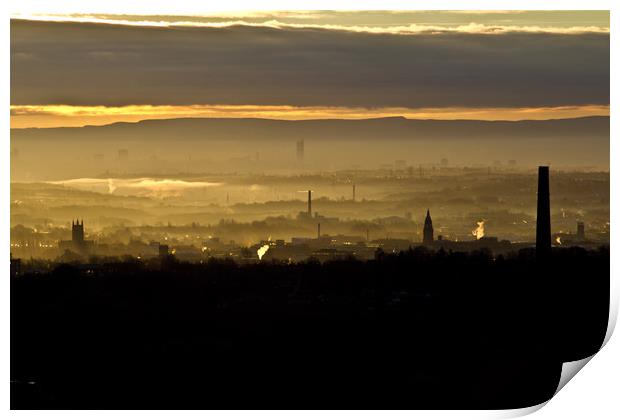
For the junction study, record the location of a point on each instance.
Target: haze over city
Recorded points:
(241, 154)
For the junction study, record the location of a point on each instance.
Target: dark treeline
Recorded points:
(413, 330)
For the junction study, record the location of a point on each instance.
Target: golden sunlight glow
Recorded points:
(23, 116)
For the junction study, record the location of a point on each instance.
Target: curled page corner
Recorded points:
(570, 369)
(519, 412)
(614, 297)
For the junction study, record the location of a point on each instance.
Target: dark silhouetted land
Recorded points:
(417, 329)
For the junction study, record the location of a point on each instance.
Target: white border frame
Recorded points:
(592, 394)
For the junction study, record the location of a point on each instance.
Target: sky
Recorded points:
(78, 66)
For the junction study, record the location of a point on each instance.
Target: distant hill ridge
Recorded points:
(389, 128)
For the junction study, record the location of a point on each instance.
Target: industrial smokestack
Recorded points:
(353, 192)
(309, 203)
(318, 231)
(543, 214)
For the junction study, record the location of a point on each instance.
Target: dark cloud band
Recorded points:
(99, 64)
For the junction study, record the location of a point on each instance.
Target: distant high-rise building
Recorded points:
(123, 154)
(427, 237)
(581, 231)
(300, 150)
(543, 214)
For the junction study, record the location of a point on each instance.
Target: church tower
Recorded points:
(77, 231)
(428, 229)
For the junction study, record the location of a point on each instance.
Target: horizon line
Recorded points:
(394, 117)
(62, 115)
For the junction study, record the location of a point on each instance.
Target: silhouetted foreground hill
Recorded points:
(416, 330)
(253, 129)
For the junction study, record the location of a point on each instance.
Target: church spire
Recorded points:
(427, 237)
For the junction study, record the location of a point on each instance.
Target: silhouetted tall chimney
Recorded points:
(318, 233)
(353, 192)
(309, 203)
(543, 214)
